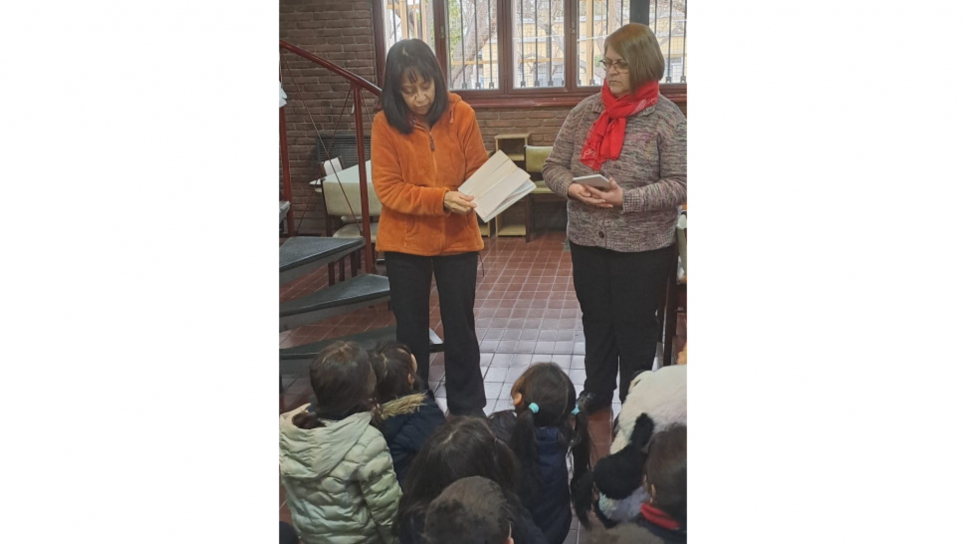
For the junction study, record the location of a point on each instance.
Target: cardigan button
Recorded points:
(600, 234)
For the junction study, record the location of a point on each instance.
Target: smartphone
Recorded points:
(596, 181)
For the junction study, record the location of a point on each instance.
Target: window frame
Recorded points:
(506, 96)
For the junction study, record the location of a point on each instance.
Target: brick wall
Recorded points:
(338, 31)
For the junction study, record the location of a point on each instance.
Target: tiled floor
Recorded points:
(526, 312)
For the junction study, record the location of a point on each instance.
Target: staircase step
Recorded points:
(296, 360)
(343, 297)
(303, 254)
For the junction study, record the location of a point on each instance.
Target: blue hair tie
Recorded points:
(576, 410)
(534, 408)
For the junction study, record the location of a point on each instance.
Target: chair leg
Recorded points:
(528, 224)
(331, 274)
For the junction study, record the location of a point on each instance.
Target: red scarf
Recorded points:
(658, 517)
(606, 136)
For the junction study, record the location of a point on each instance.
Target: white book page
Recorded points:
(501, 190)
(481, 180)
(523, 191)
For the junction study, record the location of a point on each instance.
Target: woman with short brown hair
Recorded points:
(621, 237)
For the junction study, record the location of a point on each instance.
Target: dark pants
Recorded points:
(410, 277)
(286, 534)
(618, 294)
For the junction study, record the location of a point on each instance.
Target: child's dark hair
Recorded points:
(666, 468)
(463, 446)
(392, 363)
(342, 381)
(548, 387)
(406, 60)
(470, 510)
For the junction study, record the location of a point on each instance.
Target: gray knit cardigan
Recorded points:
(652, 170)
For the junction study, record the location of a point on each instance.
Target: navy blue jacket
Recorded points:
(406, 423)
(550, 505)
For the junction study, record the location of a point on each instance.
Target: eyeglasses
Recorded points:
(607, 64)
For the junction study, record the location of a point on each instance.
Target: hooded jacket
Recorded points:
(550, 507)
(406, 423)
(338, 479)
(411, 173)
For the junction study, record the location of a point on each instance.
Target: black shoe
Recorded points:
(592, 402)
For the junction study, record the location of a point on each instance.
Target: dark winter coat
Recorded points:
(550, 504)
(406, 423)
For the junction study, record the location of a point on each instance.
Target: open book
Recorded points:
(497, 185)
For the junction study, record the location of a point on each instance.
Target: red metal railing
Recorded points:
(356, 85)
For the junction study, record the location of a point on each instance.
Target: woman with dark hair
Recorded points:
(425, 144)
(335, 467)
(621, 238)
(460, 448)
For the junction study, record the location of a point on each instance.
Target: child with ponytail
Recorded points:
(406, 413)
(541, 429)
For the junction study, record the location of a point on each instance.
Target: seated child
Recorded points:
(470, 511)
(405, 413)
(539, 431)
(662, 471)
(663, 396)
(463, 446)
(335, 467)
(665, 514)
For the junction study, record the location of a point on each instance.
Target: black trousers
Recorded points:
(410, 277)
(618, 294)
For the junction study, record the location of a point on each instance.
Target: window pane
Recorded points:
(406, 19)
(472, 44)
(538, 43)
(669, 22)
(605, 16)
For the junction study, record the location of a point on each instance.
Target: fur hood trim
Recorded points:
(398, 407)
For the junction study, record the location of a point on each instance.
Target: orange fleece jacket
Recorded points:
(411, 173)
